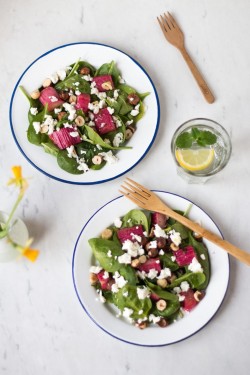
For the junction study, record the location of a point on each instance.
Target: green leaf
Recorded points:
(101, 248)
(201, 249)
(50, 148)
(195, 133)
(164, 294)
(97, 139)
(184, 140)
(70, 81)
(196, 280)
(167, 262)
(128, 273)
(208, 137)
(178, 227)
(67, 164)
(135, 217)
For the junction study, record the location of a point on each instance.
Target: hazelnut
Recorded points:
(97, 159)
(84, 70)
(161, 243)
(35, 94)
(174, 247)
(133, 99)
(64, 95)
(141, 325)
(107, 234)
(163, 323)
(128, 134)
(198, 295)
(61, 114)
(44, 129)
(151, 234)
(162, 283)
(72, 99)
(161, 304)
(47, 82)
(93, 278)
(107, 85)
(171, 279)
(79, 121)
(142, 259)
(152, 253)
(135, 263)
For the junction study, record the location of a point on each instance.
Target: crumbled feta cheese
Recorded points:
(119, 280)
(125, 294)
(165, 272)
(184, 286)
(61, 74)
(118, 123)
(173, 258)
(109, 254)
(152, 274)
(127, 312)
(101, 297)
(71, 152)
(134, 112)
(116, 93)
(114, 288)
(175, 237)
(111, 110)
(54, 78)
(82, 165)
(71, 109)
(33, 111)
(124, 258)
(152, 245)
(159, 232)
(118, 139)
(95, 269)
(74, 134)
(76, 84)
(109, 157)
(77, 92)
(136, 237)
(177, 290)
(143, 292)
(37, 126)
(105, 275)
(129, 122)
(181, 298)
(203, 256)
(94, 107)
(87, 77)
(140, 312)
(195, 266)
(132, 248)
(154, 319)
(121, 80)
(117, 222)
(102, 95)
(57, 110)
(161, 252)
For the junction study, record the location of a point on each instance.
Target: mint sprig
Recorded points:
(201, 137)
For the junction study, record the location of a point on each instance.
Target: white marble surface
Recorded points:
(43, 329)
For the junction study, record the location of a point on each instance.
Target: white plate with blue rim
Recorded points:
(105, 317)
(96, 54)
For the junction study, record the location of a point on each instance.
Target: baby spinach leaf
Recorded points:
(129, 274)
(71, 81)
(97, 139)
(161, 292)
(168, 263)
(172, 307)
(85, 64)
(135, 217)
(67, 164)
(200, 249)
(36, 138)
(132, 301)
(101, 248)
(130, 90)
(50, 147)
(178, 227)
(196, 280)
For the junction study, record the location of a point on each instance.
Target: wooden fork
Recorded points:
(174, 35)
(147, 200)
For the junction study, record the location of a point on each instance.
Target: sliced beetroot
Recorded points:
(130, 233)
(82, 102)
(185, 256)
(160, 219)
(65, 137)
(104, 122)
(105, 282)
(104, 82)
(151, 263)
(189, 302)
(51, 97)
(154, 297)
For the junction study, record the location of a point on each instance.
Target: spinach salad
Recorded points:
(150, 267)
(83, 116)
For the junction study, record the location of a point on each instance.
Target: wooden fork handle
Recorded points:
(241, 255)
(198, 77)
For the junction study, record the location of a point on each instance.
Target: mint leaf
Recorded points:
(208, 137)
(195, 133)
(184, 140)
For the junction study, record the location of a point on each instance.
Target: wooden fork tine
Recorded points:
(161, 25)
(132, 198)
(134, 189)
(135, 184)
(174, 23)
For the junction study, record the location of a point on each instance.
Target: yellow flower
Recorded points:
(18, 179)
(27, 252)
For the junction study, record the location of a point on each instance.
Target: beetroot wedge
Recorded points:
(159, 219)
(51, 97)
(189, 302)
(104, 122)
(185, 256)
(105, 282)
(104, 83)
(130, 233)
(65, 137)
(82, 102)
(151, 263)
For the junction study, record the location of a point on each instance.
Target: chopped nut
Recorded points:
(93, 278)
(142, 259)
(84, 71)
(47, 82)
(162, 283)
(64, 95)
(174, 247)
(141, 325)
(135, 263)
(163, 323)
(128, 134)
(161, 304)
(35, 94)
(153, 252)
(107, 85)
(72, 99)
(171, 278)
(44, 129)
(198, 295)
(60, 115)
(161, 243)
(97, 159)
(133, 99)
(79, 121)
(107, 234)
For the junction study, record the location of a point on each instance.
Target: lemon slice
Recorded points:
(195, 160)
